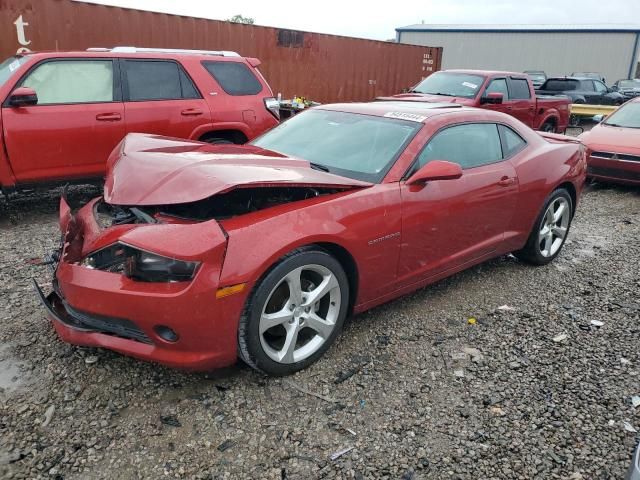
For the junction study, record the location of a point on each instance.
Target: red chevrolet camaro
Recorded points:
(614, 146)
(197, 254)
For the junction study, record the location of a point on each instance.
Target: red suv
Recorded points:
(63, 113)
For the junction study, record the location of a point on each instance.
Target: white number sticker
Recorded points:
(406, 116)
(470, 85)
(13, 66)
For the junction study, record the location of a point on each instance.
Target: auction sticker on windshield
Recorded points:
(406, 116)
(13, 66)
(470, 85)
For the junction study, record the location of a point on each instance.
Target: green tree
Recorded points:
(241, 19)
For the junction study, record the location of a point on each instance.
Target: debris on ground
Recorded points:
(629, 428)
(635, 401)
(506, 308)
(597, 323)
(226, 445)
(340, 453)
(48, 415)
(91, 359)
(560, 338)
(170, 420)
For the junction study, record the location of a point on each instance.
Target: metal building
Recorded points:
(610, 49)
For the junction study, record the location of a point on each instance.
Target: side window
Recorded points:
(235, 78)
(512, 143)
(469, 145)
(520, 89)
(157, 80)
(587, 85)
(72, 81)
(498, 85)
(600, 87)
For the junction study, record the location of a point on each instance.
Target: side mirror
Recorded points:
(494, 98)
(23, 97)
(436, 170)
(600, 118)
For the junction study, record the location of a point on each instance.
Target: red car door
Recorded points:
(498, 85)
(161, 98)
(70, 132)
(447, 223)
(523, 103)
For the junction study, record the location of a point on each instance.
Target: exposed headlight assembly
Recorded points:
(139, 264)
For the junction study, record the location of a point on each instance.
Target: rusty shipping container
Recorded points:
(325, 68)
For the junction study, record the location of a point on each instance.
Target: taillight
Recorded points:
(273, 105)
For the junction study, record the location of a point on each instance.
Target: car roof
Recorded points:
(571, 78)
(151, 53)
(484, 73)
(416, 111)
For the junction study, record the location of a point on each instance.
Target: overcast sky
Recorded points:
(378, 20)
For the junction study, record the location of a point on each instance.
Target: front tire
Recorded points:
(550, 229)
(294, 313)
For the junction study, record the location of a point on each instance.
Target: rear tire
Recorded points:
(294, 313)
(550, 229)
(548, 127)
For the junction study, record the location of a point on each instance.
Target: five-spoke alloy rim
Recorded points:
(300, 314)
(554, 226)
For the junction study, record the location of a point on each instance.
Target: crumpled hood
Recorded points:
(154, 170)
(423, 97)
(613, 139)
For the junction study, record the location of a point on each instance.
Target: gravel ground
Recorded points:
(413, 388)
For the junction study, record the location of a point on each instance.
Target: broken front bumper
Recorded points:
(90, 307)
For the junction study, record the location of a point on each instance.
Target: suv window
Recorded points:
(469, 145)
(235, 78)
(498, 85)
(72, 81)
(600, 87)
(587, 86)
(520, 89)
(512, 142)
(157, 80)
(561, 85)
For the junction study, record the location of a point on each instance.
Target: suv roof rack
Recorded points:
(219, 53)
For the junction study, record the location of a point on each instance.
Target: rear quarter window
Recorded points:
(235, 78)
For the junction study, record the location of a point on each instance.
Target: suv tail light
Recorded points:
(273, 105)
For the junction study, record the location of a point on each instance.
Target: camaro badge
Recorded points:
(382, 239)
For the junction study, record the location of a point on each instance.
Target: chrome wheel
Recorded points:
(300, 314)
(554, 226)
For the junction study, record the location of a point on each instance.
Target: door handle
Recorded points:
(108, 117)
(509, 107)
(191, 111)
(506, 181)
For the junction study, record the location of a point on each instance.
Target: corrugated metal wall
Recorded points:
(326, 68)
(556, 53)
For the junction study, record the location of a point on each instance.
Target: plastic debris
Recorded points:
(560, 338)
(340, 453)
(624, 361)
(170, 420)
(597, 323)
(629, 428)
(635, 401)
(459, 356)
(459, 373)
(472, 321)
(506, 308)
(611, 423)
(91, 359)
(48, 415)
(226, 445)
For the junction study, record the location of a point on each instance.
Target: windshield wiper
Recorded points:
(318, 166)
(438, 93)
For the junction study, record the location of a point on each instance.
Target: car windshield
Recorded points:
(626, 116)
(9, 66)
(629, 84)
(361, 147)
(450, 84)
